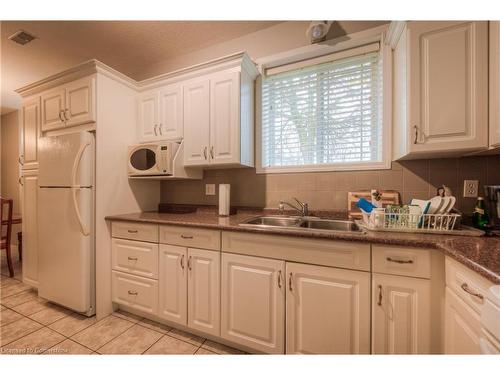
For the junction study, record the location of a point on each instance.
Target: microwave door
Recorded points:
(143, 160)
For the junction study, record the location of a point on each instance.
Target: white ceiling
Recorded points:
(128, 46)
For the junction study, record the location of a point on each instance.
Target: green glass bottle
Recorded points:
(480, 218)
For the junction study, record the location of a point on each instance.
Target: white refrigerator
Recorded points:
(66, 238)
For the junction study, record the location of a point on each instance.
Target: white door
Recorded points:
(80, 101)
(327, 310)
(147, 116)
(31, 133)
(196, 123)
(225, 118)
(52, 103)
(171, 122)
(204, 290)
(449, 86)
(495, 83)
(253, 302)
(173, 283)
(400, 315)
(462, 332)
(30, 227)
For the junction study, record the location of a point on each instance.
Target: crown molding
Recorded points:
(394, 32)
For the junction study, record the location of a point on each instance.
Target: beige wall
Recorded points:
(328, 190)
(9, 163)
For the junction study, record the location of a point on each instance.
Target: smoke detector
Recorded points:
(22, 37)
(317, 30)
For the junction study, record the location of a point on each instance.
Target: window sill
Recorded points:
(326, 168)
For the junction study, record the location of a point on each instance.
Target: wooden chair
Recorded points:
(7, 222)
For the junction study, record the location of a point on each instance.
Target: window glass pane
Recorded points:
(323, 114)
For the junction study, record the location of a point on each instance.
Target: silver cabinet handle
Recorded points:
(212, 151)
(159, 128)
(132, 292)
(379, 302)
(60, 115)
(64, 112)
(389, 259)
(21, 159)
(205, 152)
(467, 289)
(279, 279)
(132, 231)
(132, 258)
(189, 263)
(415, 140)
(186, 237)
(290, 282)
(155, 130)
(182, 261)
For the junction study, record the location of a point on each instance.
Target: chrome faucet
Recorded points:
(303, 208)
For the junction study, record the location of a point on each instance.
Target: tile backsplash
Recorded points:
(328, 190)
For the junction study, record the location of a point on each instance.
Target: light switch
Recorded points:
(209, 189)
(471, 188)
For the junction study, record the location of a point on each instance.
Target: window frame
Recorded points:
(354, 40)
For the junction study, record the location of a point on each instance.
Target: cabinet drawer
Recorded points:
(135, 231)
(190, 237)
(404, 261)
(138, 258)
(468, 285)
(136, 292)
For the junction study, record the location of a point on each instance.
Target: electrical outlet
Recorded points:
(471, 188)
(209, 189)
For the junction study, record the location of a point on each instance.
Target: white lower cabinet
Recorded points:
(253, 302)
(30, 227)
(327, 310)
(400, 315)
(173, 283)
(136, 292)
(462, 326)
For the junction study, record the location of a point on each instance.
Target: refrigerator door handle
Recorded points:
(76, 164)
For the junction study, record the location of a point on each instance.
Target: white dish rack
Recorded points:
(412, 223)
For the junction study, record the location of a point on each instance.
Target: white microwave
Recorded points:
(152, 159)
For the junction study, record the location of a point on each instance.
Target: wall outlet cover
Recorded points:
(209, 189)
(471, 188)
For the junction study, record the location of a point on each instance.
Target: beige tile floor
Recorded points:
(31, 325)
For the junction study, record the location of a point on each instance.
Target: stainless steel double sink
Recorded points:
(301, 223)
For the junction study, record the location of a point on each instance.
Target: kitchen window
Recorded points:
(325, 113)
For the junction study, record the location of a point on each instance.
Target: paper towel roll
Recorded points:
(224, 199)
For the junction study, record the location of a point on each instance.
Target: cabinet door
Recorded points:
(253, 302)
(173, 283)
(147, 116)
(401, 315)
(30, 227)
(327, 310)
(448, 86)
(204, 290)
(30, 133)
(462, 331)
(52, 103)
(196, 122)
(225, 118)
(171, 123)
(494, 83)
(80, 102)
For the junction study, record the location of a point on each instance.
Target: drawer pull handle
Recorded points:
(132, 258)
(290, 281)
(389, 259)
(379, 301)
(132, 293)
(132, 231)
(186, 237)
(182, 261)
(279, 279)
(466, 288)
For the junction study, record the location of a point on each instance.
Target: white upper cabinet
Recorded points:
(30, 121)
(68, 105)
(401, 315)
(147, 116)
(196, 122)
(495, 84)
(327, 310)
(440, 91)
(171, 121)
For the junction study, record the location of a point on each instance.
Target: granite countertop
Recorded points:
(480, 254)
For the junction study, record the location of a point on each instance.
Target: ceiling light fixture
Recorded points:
(317, 30)
(22, 37)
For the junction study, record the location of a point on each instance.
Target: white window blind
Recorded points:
(325, 114)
